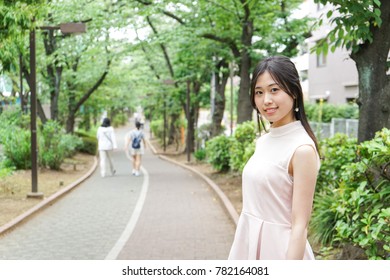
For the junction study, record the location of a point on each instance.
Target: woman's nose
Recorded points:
(267, 98)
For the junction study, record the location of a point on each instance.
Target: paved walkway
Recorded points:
(167, 213)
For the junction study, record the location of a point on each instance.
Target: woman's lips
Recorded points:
(270, 111)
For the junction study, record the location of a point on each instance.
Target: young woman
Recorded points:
(106, 144)
(278, 181)
(135, 144)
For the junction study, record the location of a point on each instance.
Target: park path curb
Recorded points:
(224, 199)
(47, 201)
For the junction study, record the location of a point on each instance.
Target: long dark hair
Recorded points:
(283, 71)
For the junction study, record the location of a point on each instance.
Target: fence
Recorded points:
(326, 130)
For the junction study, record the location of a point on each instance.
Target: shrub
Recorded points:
(366, 198)
(203, 132)
(242, 145)
(357, 212)
(5, 170)
(236, 151)
(200, 155)
(12, 118)
(336, 152)
(89, 143)
(245, 132)
(249, 151)
(119, 119)
(72, 144)
(217, 152)
(325, 112)
(55, 145)
(17, 147)
(157, 127)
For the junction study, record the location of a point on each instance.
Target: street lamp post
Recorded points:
(66, 28)
(189, 136)
(33, 99)
(231, 97)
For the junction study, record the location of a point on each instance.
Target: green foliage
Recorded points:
(245, 132)
(232, 152)
(157, 127)
(325, 112)
(217, 151)
(119, 119)
(55, 145)
(5, 170)
(17, 147)
(242, 145)
(352, 26)
(17, 18)
(11, 118)
(337, 152)
(200, 155)
(203, 132)
(357, 211)
(89, 143)
(16, 139)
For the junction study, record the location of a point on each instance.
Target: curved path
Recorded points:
(166, 213)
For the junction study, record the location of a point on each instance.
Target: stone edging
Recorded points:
(45, 202)
(224, 199)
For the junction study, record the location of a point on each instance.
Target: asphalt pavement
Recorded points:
(166, 213)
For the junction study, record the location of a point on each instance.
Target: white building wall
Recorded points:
(336, 78)
(333, 77)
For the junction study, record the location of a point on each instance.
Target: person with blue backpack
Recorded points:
(135, 145)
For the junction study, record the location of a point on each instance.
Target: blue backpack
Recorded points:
(136, 144)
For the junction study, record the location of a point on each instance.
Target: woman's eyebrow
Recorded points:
(270, 85)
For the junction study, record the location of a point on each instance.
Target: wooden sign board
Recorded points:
(73, 27)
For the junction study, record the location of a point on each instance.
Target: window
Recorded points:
(319, 100)
(303, 74)
(321, 60)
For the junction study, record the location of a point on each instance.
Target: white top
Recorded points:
(264, 226)
(133, 134)
(106, 138)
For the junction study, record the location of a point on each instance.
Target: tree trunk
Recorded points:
(172, 133)
(54, 74)
(70, 121)
(55, 81)
(244, 107)
(219, 102)
(374, 84)
(40, 112)
(194, 113)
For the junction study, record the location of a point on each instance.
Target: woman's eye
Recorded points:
(258, 92)
(274, 89)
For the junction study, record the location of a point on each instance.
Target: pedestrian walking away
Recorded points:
(106, 144)
(134, 145)
(279, 179)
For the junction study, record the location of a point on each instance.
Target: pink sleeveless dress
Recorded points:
(264, 226)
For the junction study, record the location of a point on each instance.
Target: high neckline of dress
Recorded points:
(284, 129)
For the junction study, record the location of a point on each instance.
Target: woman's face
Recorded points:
(272, 102)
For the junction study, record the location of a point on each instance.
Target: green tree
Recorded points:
(247, 29)
(17, 19)
(363, 28)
